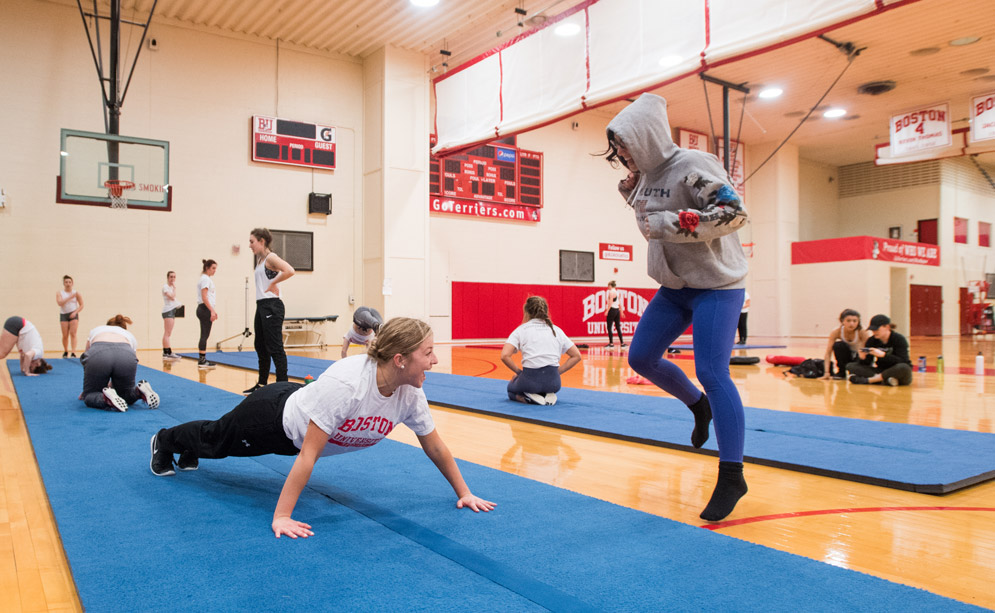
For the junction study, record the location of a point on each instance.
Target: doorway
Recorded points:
(925, 310)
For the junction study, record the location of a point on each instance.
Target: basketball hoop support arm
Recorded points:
(726, 86)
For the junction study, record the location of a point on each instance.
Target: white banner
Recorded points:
(921, 129)
(736, 169)
(983, 117)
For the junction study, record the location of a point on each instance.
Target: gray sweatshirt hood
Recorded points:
(644, 129)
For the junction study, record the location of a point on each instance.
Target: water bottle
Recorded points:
(308, 380)
(922, 363)
(979, 364)
(939, 364)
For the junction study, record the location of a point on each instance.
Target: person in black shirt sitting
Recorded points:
(884, 358)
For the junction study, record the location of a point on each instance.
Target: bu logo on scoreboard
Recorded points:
(265, 124)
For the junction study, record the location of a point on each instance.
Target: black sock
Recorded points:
(702, 417)
(729, 488)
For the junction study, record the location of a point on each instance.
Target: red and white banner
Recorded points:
(611, 251)
(864, 248)
(487, 210)
(493, 310)
(983, 117)
(737, 151)
(926, 128)
(689, 139)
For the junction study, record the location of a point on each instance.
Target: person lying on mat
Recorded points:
(110, 358)
(541, 344)
(844, 344)
(365, 323)
(353, 405)
(21, 333)
(884, 358)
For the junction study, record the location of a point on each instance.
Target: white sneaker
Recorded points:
(892, 381)
(550, 399)
(536, 398)
(114, 400)
(151, 398)
(172, 357)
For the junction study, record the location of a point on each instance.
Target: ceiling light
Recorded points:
(424, 3)
(925, 51)
(964, 40)
(770, 92)
(567, 29)
(669, 61)
(834, 113)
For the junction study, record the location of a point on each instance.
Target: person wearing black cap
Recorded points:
(884, 358)
(365, 323)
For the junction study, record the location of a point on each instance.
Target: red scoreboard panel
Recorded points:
(496, 172)
(283, 141)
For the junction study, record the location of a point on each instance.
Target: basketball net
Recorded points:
(115, 191)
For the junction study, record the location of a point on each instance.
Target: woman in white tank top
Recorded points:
(269, 272)
(844, 343)
(70, 304)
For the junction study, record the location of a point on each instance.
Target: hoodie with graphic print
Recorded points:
(684, 204)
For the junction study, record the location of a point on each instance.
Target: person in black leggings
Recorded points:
(206, 313)
(270, 270)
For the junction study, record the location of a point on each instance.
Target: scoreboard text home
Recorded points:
(297, 143)
(497, 172)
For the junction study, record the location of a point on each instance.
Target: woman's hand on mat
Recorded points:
(291, 527)
(477, 504)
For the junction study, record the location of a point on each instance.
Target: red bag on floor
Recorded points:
(784, 360)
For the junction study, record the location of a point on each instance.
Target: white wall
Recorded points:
(198, 91)
(818, 201)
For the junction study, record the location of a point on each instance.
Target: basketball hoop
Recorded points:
(115, 191)
(748, 249)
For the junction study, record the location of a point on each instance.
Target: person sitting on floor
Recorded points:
(21, 333)
(541, 344)
(844, 344)
(110, 357)
(884, 358)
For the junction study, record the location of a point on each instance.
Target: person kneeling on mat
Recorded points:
(884, 358)
(21, 333)
(110, 357)
(353, 405)
(541, 344)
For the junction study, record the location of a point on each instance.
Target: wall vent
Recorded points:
(866, 178)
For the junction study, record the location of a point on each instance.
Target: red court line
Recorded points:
(759, 518)
(492, 365)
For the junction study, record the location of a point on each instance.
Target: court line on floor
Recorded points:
(776, 516)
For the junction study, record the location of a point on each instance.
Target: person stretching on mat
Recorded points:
(884, 358)
(541, 344)
(270, 271)
(365, 323)
(21, 333)
(613, 315)
(110, 357)
(845, 343)
(206, 301)
(169, 306)
(70, 304)
(688, 212)
(353, 405)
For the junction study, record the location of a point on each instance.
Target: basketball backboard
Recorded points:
(89, 159)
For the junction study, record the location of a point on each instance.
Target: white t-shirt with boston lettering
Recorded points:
(345, 402)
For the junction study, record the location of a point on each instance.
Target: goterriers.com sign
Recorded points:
(488, 210)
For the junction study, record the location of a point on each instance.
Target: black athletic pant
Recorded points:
(268, 327)
(614, 316)
(900, 371)
(844, 355)
(253, 428)
(115, 363)
(742, 328)
(204, 315)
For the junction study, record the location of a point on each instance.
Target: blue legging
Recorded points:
(715, 315)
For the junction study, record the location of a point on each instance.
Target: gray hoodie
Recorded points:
(684, 205)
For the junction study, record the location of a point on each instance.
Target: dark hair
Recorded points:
(851, 313)
(262, 234)
(42, 368)
(120, 321)
(169, 273)
(611, 283)
(536, 307)
(611, 153)
(64, 277)
(208, 264)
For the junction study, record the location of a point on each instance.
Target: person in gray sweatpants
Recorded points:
(109, 367)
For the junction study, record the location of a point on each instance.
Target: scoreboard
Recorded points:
(497, 172)
(282, 141)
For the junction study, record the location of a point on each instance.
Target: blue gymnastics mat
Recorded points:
(387, 534)
(900, 456)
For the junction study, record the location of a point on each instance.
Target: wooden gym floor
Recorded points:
(944, 544)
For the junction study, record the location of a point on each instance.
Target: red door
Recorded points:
(926, 310)
(966, 300)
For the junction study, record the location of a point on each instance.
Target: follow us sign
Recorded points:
(613, 251)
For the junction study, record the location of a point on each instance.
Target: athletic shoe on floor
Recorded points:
(610, 346)
(257, 386)
(535, 398)
(550, 399)
(205, 364)
(858, 379)
(892, 381)
(161, 462)
(623, 346)
(116, 402)
(72, 355)
(148, 394)
(188, 461)
(65, 354)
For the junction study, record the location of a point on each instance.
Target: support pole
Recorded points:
(726, 86)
